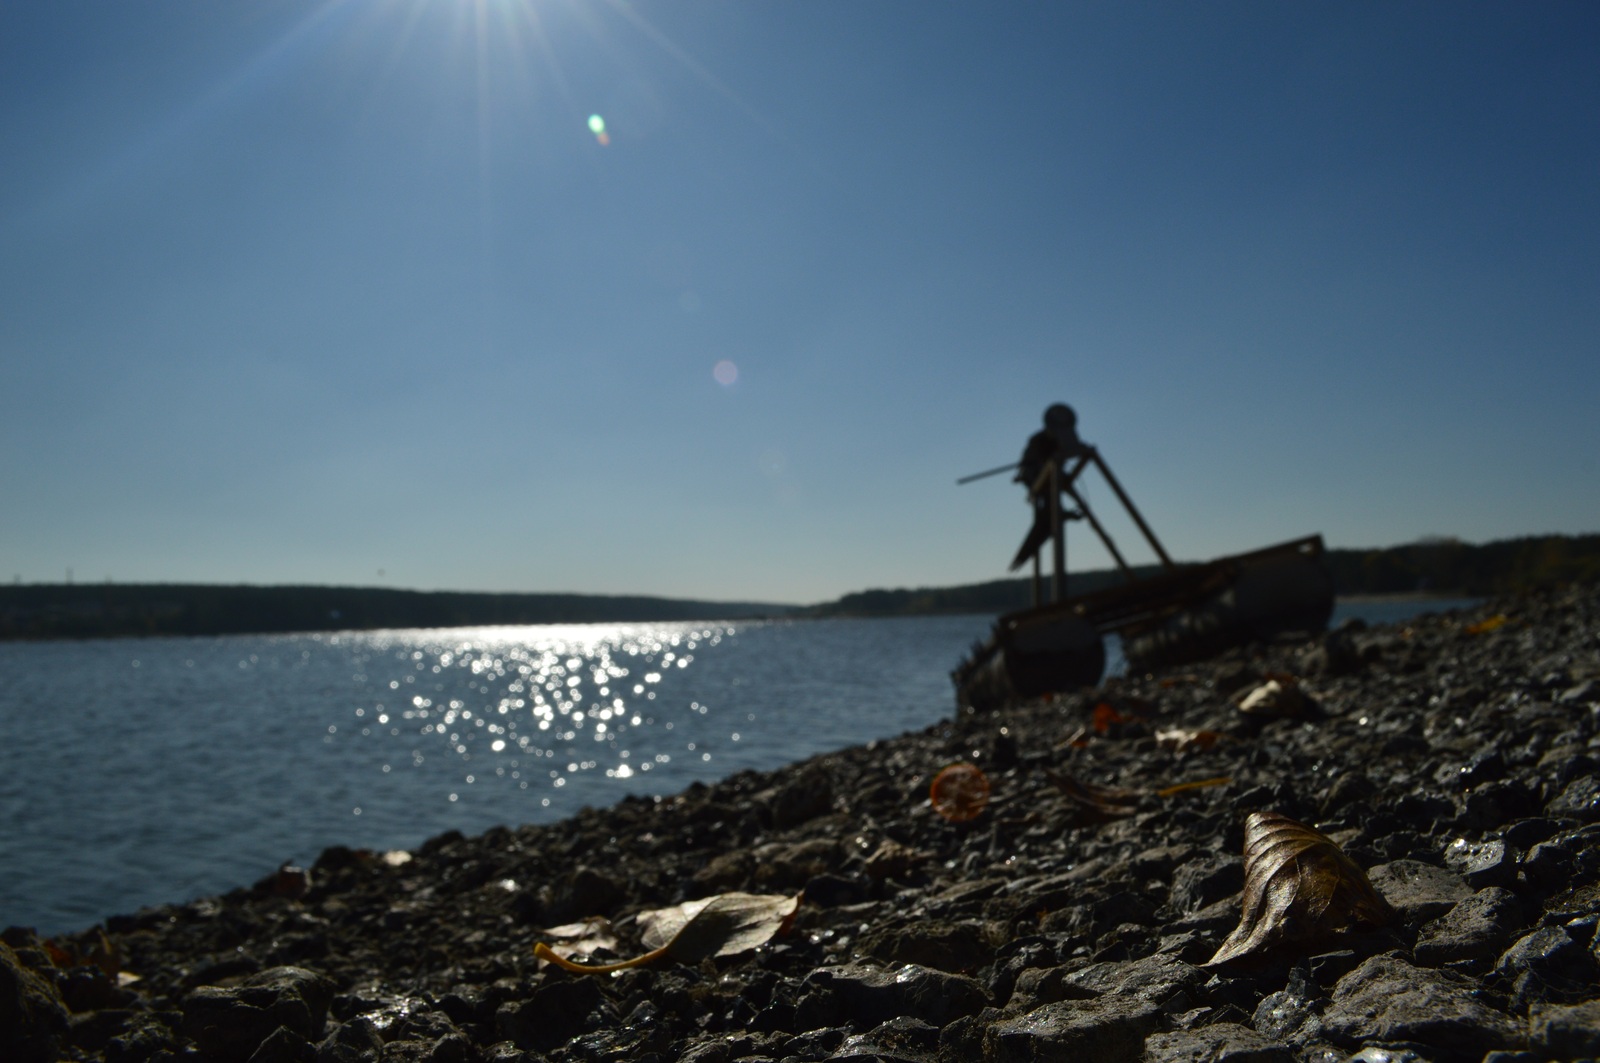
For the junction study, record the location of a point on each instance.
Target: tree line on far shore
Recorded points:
(1435, 566)
(1445, 567)
(95, 610)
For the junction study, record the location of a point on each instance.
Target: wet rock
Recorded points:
(1387, 1000)
(33, 1019)
(356, 1041)
(1219, 1043)
(557, 1011)
(1205, 881)
(1157, 979)
(230, 1023)
(1566, 1032)
(1418, 891)
(1580, 800)
(867, 996)
(808, 795)
(946, 946)
(1476, 929)
(1480, 864)
(1105, 1030)
(900, 1040)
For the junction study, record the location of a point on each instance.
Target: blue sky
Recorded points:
(351, 292)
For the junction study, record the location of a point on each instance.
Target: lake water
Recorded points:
(138, 772)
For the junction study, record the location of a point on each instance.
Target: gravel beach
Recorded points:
(1075, 917)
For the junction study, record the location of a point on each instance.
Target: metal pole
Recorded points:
(1058, 581)
(1105, 536)
(1155, 544)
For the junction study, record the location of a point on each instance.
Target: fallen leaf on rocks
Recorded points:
(1105, 715)
(724, 925)
(1275, 697)
(1483, 627)
(1197, 784)
(1298, 886)
(1095, 802)
(959, 792)
(582, 939)
(1183, 739)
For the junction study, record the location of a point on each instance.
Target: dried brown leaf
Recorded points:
(723, 925)
(1298, 887)
(1183, 739)
(1095, 802)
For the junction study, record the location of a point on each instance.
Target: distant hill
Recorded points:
(98, 610)
(1435, 566)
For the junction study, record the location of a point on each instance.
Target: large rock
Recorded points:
(1387, 1000)
(1477, 929)
(870, 995)
(1105, 1029)
(1224, 1042)
(32, 1017)
(232, 1022)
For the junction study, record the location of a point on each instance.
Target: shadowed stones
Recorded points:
(867, 996)
(1418, 891)
(230, 1023)
(32, 1017)
(1476, 930)
(1388, 1001)
(1224, 1042)
(1104, 1012)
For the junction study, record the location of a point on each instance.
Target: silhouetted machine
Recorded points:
(1182, 613)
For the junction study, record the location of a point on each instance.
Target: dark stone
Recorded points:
(1566, 1032)
(1389, 1001)
(900, 1040)
(284, 1046)
(1205, 881)
(946, 946)
(1218, 1043)
(1106, 1031)
(867, 996)
(556, 1012)
(33, 1018)
(1477, 929)
(832, 891)
(1494, 804)
(1418, 891)
(1580, 801)
(231, 1022)
(1480, 864)
(355, 1041)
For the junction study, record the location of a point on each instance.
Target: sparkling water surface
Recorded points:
(146, 771)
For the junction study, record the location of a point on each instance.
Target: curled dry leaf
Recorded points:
(1183, 739)
(1483, 627)
(1275, 697)
(959, 793)
(1092, 802)
(723, 925)
(582, 939)
(1298, 886)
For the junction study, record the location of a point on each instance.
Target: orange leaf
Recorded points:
(959, 792)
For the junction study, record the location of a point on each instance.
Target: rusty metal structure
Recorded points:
(1181, 613)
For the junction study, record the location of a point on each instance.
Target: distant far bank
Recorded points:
(1436, 568)
(107, 610)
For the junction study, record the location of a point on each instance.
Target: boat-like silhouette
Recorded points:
(1182, 613)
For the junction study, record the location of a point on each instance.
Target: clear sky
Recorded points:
(719, 299)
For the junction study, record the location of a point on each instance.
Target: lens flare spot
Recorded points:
(725, 373)
(597, 126)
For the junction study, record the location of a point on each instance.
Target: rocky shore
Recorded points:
(1074, 918)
